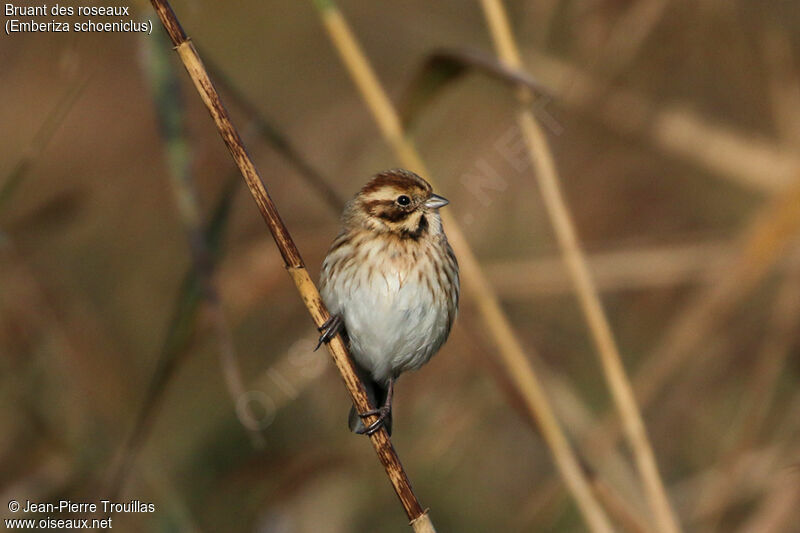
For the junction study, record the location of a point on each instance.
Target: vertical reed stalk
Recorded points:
(756, 401)
(476, 285)
(181, 326)
(759, 246)
(602, 335)
(170, 114)
(420, 520)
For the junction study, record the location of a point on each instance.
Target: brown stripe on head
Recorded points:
(392, 201)
(386, 210)
(400, 179)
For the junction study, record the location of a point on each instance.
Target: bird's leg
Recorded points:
(332, 327)
(382, 411)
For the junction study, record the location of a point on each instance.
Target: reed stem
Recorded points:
(547, 176)
(509, 347)
(292, 259)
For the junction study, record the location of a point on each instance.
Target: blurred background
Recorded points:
(675, 126)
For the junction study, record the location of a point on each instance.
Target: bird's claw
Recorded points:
(332, 327)
(382, 412)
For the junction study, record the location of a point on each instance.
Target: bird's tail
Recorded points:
(377, 397)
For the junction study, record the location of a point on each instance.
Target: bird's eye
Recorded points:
(403, 200)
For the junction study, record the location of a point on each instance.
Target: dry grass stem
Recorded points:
(761, 244)
(619, 509)
(629, 36)
(200, 285)
(753, 474)
(723, 150)
(135, 276)
(442, 67)
(291, 256)
(757, 400)
(778, 507)
(613, 467)
(475, 283)
(614, 269)
(778, 510)
(774, 477)
(598, 323)
(180, 331)
(541, 16)
(243, 288)
(170, 115)
(277, 139)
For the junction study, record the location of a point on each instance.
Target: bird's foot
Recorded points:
(332, 327)
(381, 412)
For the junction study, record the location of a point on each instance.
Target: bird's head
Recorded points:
(400, 202)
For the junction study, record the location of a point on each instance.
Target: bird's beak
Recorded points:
(436, 201)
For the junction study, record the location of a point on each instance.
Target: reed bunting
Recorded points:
(390, 282)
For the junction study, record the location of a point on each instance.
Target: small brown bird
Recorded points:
(390, 282)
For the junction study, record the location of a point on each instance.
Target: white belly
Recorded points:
(392, 320)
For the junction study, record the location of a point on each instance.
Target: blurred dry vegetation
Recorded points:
(675, 126)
